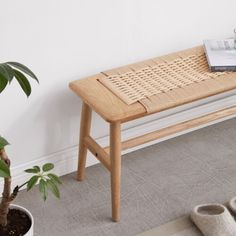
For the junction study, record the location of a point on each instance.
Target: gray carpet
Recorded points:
(159, 184)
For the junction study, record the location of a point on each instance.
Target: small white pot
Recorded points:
(31, 230)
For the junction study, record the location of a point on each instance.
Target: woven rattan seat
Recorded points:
(159, 77)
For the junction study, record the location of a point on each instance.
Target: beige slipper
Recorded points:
(232, 205)
(214, 220)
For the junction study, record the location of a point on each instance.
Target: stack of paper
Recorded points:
(221, 54)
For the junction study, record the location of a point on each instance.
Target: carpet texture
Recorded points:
(159, 184)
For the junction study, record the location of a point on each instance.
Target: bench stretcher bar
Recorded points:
(98, 151)
(102, 154)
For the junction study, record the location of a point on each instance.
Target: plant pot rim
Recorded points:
(21, 208)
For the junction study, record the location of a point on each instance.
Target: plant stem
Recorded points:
(16, 190)
(7, 197)
(19, 187)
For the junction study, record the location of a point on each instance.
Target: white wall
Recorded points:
(63, 40)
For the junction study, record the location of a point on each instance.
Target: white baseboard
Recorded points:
(66, 160)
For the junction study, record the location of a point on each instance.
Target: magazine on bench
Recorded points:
(221, 54)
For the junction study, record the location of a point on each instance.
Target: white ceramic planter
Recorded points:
(31, 230)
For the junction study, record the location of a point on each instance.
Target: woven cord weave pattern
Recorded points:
(160, 77)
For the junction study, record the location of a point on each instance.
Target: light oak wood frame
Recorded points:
(110, 157)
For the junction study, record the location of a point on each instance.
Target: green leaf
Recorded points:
(48, 166)
(54, 178)
(32, 182)
(9, 71)
(4, 169)
(32, 170)
(37, 168)
(23, 81)
(3, 71)
(53, 188)
(3, 82)
(43, 189)
(3, 142)
(24, 69)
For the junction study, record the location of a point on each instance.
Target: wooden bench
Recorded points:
(114, 110)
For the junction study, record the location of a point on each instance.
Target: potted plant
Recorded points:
(16, 220)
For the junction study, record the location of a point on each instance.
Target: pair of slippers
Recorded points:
(215, 219)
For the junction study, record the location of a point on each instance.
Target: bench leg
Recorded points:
(85, 125)
(115, 155)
